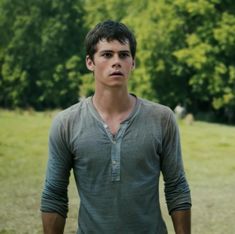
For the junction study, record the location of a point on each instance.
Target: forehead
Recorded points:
(113, 45)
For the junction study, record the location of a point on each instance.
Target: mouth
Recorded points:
(116, 73)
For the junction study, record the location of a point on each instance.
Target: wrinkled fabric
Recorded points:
(117, 176)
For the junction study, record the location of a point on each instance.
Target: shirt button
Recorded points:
(105, 126)
(114, 161)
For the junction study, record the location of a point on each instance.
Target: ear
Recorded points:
(89, 63)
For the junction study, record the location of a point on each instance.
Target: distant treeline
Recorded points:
(186, 52)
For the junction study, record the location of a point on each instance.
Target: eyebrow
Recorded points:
(111, 51)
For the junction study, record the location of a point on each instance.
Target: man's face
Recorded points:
(112, 63)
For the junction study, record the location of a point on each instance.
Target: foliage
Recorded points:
(87, 87)
(40, 52)
(208, 53)
(107, 9)
(185, 52)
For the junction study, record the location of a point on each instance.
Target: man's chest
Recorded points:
(131, 149)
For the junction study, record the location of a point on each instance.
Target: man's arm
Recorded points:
(182, 221)
(53, 223)
(177, 190)
(54, 199)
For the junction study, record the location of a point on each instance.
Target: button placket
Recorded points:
(115, 158)
(116, 149)
(116, 153)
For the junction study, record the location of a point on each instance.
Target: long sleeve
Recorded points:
(177, 190)
(54, 196)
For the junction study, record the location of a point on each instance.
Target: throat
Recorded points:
(113, 128)
(115, 116)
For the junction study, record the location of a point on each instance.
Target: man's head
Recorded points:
(109, 30)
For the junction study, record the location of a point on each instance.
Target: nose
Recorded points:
(116, 61)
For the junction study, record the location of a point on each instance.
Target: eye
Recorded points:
(107, 55)
(123, 55)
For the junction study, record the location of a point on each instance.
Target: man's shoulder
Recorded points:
(158, 113)
(71, 113)
(155, 107)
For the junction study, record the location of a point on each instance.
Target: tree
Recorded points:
(208, 53)
(40, 53)
(185, 51)
(186, 54)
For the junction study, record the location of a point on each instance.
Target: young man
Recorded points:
(117, 144)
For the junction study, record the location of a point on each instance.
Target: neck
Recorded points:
(113, 101)
(114, 106)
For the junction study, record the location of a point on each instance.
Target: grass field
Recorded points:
(209, 159)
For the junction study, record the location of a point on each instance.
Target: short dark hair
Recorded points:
(109, 30)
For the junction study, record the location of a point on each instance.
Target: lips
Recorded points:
(116, 73)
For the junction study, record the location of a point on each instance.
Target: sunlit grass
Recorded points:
(209, 159)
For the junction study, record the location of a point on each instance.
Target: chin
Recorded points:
(117, 84)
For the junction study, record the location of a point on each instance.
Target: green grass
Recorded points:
(209, 159)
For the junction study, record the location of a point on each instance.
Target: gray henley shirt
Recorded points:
(117, 176)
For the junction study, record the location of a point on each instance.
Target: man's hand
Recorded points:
(53, 223)
(182, 221)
